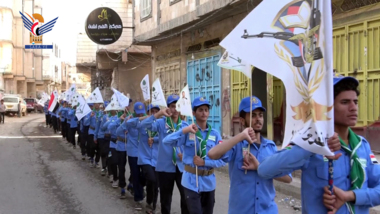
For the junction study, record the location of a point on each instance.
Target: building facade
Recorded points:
(185, 35)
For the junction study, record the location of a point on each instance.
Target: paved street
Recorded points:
(41, 174)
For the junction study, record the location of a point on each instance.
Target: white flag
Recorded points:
(145, 87)
(82, 108)
(70, 93)
(95, 97)
(114, 104)
(75, 99)
(296, 48)
(158, 97)
(121, 98)
(184, 103)
(230, 61)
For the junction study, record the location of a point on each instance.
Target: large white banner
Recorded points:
(292, 40)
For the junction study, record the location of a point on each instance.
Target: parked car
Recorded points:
(11, 104)
(32, 105)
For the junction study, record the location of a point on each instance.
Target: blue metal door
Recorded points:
(204, 79)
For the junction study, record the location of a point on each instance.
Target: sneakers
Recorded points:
(97, 165)
(138, 205)
(103, 173)
(115, 184)
(92, 163)
(130, 189)
(122, 194)
(111, 178)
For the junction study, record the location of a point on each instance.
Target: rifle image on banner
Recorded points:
(305, 41)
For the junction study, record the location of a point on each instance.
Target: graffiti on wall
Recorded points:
(226, 107)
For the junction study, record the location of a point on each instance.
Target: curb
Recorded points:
(294, 188)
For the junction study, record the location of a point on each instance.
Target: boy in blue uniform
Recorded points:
(147, 157)
(102, 141)
(109, 128)
(73, 125)
(85, 145)
(169, 165)
(202, 137)
(356, 173)
(93, 146)
(63, 115)
(133, 138)
(47, 118)
(249, 193)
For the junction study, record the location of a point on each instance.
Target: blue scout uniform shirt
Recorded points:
(132, 137)
(86, 119)
(250, 193)
(102, 127)
(81, 127)
(111, 125)
(59, 112)
(120, 133)
(165, 152)
(315, 176)
(146, 155)
(93, 121)
(73, 118)
(64, 114)
(205, 183)
(101, 122)
(46, 109)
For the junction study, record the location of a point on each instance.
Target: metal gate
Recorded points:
(204, 79)
(356, 53)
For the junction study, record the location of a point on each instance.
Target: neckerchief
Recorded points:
(357, 173)
(169, 123)
(203, 142)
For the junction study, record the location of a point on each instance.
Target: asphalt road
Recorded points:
(41, 173)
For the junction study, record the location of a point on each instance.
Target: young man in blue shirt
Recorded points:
(248, 192)
(356, 173)
(169, 159)
(147, 157)
(200, 137)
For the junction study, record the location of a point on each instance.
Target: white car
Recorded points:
(11, 105)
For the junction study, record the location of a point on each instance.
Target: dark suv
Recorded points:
(32, 105)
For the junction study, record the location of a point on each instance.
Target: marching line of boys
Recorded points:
(162, 150)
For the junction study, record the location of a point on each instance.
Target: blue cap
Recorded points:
(153, 106)
(139, 108)
(172, 98)
(245, 104)
(200, 101)
(338, 78)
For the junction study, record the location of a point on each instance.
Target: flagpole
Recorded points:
(250, 120)
(195, 148)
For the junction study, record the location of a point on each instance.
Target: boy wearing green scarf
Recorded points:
(356, 171)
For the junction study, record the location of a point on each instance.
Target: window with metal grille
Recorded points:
(170, 78)
(145, 8)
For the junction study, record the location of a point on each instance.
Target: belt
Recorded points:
(122, 139)
(91, 127)
(107, 135)
(113, 140)
(201, 172)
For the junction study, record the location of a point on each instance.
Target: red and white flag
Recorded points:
(53, 100)
(373, 159)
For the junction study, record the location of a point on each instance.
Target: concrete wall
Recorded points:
(130, 74)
